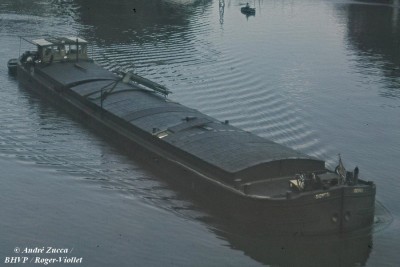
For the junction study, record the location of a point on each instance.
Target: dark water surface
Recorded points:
(319, 76)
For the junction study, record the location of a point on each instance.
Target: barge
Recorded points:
(251, 179)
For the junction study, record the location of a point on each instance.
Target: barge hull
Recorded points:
(250, 180)
(296, 216)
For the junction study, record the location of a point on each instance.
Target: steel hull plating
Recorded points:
(334, 210)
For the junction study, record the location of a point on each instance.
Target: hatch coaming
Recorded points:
(204, 141)
(233, 152)
(240, 154)
(220, 146)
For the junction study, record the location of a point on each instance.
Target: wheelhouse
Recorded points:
(60, 49)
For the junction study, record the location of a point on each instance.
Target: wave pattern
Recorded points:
(245, 70)
(52, 140)
(206, 72)
(61, 145)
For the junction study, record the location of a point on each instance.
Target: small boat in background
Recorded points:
(248, 10)
(12, 65)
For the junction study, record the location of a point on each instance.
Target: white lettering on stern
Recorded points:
(322, 195)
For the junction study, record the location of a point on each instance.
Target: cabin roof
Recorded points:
(58, 40)
(41, 42)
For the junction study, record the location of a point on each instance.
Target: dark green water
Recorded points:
(319, 76)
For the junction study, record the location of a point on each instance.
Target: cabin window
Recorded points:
(73, 49)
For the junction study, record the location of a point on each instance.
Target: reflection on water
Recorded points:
(283, 251)
(221, 11)
(287, 74)
(137, 21)
(107, 167)
(373, 30)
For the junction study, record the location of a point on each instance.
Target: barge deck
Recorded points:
(254, 179)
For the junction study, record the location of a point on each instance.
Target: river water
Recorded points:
(320, 76)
